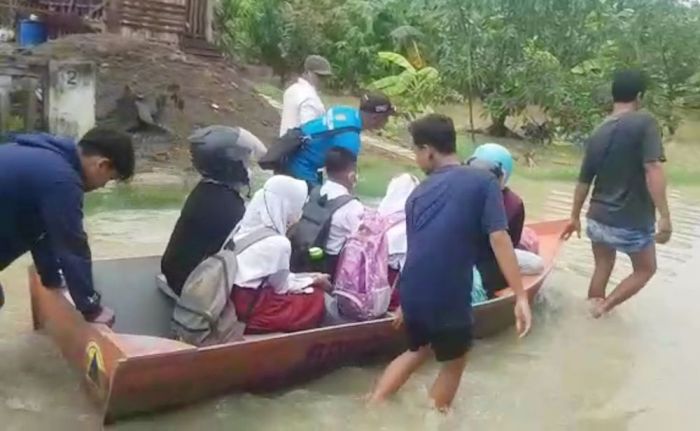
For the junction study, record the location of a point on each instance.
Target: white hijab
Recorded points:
(400, 188)
(276, 206)
(397, 193)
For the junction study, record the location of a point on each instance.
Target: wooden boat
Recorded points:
(133, 368)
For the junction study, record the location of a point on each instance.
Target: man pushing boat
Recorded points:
(42, 182)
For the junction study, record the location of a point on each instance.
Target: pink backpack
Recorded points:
(361, 280)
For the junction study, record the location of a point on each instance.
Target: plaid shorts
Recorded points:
(627, 241)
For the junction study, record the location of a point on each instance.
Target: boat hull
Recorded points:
(129, 374)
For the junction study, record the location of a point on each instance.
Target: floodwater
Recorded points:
(633, 370)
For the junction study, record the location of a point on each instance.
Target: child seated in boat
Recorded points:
(267, 295)
(393, 205)
(330, 216)
(221, 155)
(498, 160)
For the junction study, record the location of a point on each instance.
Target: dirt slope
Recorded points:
(208, 92)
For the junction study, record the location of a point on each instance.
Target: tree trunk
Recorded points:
(498, 128)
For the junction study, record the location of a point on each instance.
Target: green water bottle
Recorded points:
(316, 254)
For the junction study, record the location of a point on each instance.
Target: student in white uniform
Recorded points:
(330, 216)
(266, 292)
(393, 204)
(341, 168)
(301, 102)
(393, 207)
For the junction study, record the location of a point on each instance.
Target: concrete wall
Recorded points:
(70, 102)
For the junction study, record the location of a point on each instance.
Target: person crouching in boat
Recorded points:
(267, 296)
(394, 205)
(43, 180)
(221, 155)
(450, 218)
(499, 161)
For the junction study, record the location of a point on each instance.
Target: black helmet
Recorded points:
(222, 153)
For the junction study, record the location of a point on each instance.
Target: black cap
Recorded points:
(376, 103)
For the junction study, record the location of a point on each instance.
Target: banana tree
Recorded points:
(415, 90)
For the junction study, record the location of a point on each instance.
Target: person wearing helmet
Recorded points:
(498, 160)
(222, 156)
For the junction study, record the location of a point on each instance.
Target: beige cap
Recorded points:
(318, 65)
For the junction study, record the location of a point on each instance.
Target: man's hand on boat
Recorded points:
(104, 316)
(398, 319)
(573, 227)
(523, 315)
(502, 247)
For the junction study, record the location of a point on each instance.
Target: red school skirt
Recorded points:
(279, 313)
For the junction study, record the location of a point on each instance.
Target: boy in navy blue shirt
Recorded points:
(451, 218)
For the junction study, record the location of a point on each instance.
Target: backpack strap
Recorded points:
(339, 202)
(333, 132)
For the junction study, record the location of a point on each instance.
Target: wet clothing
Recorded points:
(210, 213)
(307, 162)
(492, 277)
(447, 344)
(616, 153)
(41, 211)
(627, 241)
(448, 221)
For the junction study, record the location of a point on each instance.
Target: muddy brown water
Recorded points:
(634, 370)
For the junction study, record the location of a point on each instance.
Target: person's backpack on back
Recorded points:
(361, 281)
(204, 313)
(313, 229)
(277, 157)
(278, 154)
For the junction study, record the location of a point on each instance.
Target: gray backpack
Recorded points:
(313, 229)
(204, 313)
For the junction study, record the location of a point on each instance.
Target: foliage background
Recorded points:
(510, 54)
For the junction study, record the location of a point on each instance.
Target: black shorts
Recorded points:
(447, 344)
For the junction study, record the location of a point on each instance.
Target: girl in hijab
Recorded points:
(392, 206)
(267, 295)
(400, 188)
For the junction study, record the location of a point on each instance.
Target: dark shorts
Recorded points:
(447, 344)
(628, 241)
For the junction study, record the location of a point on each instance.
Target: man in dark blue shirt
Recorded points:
(42, 182)
(451, 219)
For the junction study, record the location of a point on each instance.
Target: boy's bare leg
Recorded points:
(397, 373)
(644, 268)
(604, 258)
(447, 383)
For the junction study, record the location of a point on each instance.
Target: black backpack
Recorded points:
(278, 154)
(313, 229)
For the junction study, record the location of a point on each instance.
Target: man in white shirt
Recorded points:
(301, 102)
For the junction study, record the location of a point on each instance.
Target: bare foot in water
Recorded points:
(596, 307)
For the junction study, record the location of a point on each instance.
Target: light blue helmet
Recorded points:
(497, 156)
